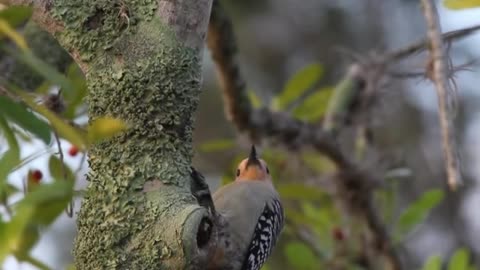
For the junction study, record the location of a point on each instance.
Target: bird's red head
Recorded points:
(253, 168)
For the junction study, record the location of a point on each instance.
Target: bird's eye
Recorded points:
(268, 171)
(238, 172)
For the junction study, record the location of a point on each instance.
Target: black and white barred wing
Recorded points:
(267, 230)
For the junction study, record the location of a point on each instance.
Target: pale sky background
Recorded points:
(450, 20)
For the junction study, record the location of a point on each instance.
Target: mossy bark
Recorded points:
(142, 61)
(155, 90)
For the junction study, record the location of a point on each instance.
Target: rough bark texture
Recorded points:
(142, 61)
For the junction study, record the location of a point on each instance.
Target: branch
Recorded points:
(439, 77)
(290, 132)
(422, 44)
(222, 45)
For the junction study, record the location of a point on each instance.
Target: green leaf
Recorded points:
(461, 4)
(343, 95)
(75, 98)
(7, 30)
(25, 118)
(298, 85)
(22, 134)
(319, 219)
(11, 157)
(29, 238)
(317, 162)
(300, 256)
(48, 201)
(297, 217)
(58, 168)
(73, 135)
(12, 234)
(419, 209)
(314, 106)
(104, 128)
(217, 145)
(271, 156)
(8, 161)
(301, 192)
(459, 260)
(16, 15)
(254, 99)
(433, 263)
(6, 190)
(325, 217)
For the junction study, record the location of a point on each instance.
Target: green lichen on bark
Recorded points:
(144, 76)
(93, 26)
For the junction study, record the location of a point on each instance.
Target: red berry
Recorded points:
(37, 176)
(338, 234)
(73, 151)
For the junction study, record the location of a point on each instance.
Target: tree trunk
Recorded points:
(142, 61)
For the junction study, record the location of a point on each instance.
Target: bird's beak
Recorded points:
(252, 158)
(253, 153)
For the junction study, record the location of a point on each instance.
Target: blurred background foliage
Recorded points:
(291, 57)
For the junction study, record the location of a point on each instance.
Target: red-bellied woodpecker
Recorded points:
(250, 215)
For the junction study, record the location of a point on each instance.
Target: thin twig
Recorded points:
(422, 73)
(422, 44)
(69, 209)
(439, 77)
(31, 158)
(80, 165)
(57, 109)
(404, 52)
(38, 264)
